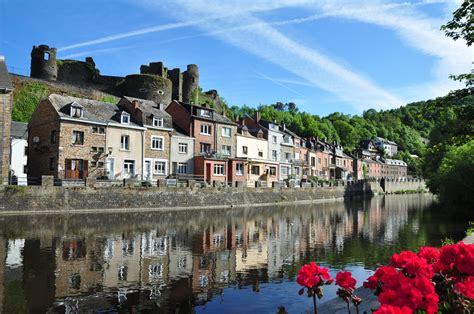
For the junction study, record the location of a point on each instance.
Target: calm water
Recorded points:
(241, 260)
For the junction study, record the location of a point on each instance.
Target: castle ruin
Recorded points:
(154, 82)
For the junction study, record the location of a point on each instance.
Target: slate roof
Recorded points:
(216, 117)
(94, 111)
(19, 130)
(149, 106)
(5, 82)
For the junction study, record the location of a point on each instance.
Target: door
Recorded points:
(128, 169)
(76, 168)
(111, 168)
(208, 172)
(147, 170)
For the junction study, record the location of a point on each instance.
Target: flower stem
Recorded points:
(348, 309)
(357, 308)
(314, 304)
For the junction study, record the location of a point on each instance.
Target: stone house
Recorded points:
(215, 138)
(6, 103)
(182, 154)
(342, 165)
(394, 168)
(291, 166)
(73, 138)
(157, 136)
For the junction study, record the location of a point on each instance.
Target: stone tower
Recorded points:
(148, 86)
(43, 63)
(190, 81)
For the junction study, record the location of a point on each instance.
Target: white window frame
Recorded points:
(158, 122)
(122, 142)
(179, 167)
(274, 155)
(154, 169)
(156, 137)
(274, 139)
(219, 166)
(239, 172)
(76, 108)
(130, 162)
(123, 115)
(205, 113)
(182, 151)
(206, 129)
(226, 130)
(227, 150)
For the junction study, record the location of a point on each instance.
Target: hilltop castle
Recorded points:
(155, 82)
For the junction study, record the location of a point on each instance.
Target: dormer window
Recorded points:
(158, 122)
(205, 113)
(77, 111)
(125, 118)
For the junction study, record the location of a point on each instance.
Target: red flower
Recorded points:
(466, 287)
(458, 257)
(345, 280)
(389, 309)
(311, 275)
(430, 254)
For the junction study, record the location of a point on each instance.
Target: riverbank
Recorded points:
(51, 199)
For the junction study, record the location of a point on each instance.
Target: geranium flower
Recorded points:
(311, 275)
(466, 287)
(389, 309)
(345, 280)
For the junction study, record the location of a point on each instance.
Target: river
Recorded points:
(206, 261)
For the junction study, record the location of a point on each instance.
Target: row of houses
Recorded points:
(75, 138)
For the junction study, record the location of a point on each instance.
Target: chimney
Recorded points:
(161, 106)
(135, 104)
(223, 113)
(258, 116)
(283, 126)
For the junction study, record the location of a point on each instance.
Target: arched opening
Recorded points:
(46, 56)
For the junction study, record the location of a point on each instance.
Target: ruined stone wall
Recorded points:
(150, 87)
(190, 82)
(43, 63)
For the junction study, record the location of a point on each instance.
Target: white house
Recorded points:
(18, 153)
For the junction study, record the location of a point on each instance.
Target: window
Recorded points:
(158, 122)
(182, 167)
(297, 171)
(255, 170)
(287, 157)
(183, 148)
(205, 148)
(125, 142)
(160, 167)
(274, 139)
(226, 150)
(226, 131)
(76, 111)
(205, 129)
(297, 143)
(284, 171)
(205, 113)
(25, 151)
(274, 155)
(239, 169)
(77, 138)
(319, 160)
(98, 130)
(125, 118)
(218, 170)
(100, 164)
(244, 150)
(313, 161)
(54, 137)
(52, 164)
(93, 163)
(95, 149)
(157, 142)
(260, 153)
(272, 171)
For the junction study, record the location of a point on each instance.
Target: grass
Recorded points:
(16, 189)
(109, 99)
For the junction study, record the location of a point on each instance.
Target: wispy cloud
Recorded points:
(94, 52)
(278, 82)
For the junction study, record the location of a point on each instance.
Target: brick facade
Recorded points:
(6, 100)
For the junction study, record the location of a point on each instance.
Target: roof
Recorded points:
(149, 106)
(216, 117)
(5, 82)
(94, 111)
(384, 140)
(19, 130)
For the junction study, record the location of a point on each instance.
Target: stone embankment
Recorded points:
(95, 197)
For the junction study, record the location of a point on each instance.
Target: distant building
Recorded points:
(6, 103)
(19, 153)
(390, 148)
(366, 149)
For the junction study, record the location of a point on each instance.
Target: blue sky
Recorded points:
(324, 55)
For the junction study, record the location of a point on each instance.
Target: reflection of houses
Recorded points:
(155, 259)
(122, 260)
(214, 136)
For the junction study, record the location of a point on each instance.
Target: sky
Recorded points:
(324, 55)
